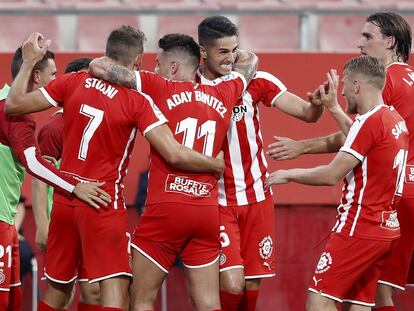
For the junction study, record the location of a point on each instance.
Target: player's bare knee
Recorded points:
(383, 296)
(207, 304)
(233, 283)
(90, 293)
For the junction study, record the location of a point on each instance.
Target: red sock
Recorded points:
(15, 299)
(43, 306)
(4, 300)
(87, 307)
(386, 308)
(229, 302)
(248, 302)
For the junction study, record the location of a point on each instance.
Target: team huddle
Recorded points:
(209, 196)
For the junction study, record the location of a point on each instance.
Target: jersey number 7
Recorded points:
(95, 118)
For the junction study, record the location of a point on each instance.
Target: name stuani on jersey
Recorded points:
(101, 86)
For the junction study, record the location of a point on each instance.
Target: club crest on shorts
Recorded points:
(324, 263)
(222, 259)
(2, 276)
(239, 112)
(266, 247)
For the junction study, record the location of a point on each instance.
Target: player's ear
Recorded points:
(390, 42)
(174, 67)
(356, 86)
(203, 52)
(36, 76)
(138, 61)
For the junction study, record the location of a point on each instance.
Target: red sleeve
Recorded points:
(148, 115)
(51, 137)
(151, 83)
(232, 86)
(21, 137)
(55, 90)
(361, 137)
(270, 87)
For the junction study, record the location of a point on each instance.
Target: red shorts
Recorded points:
(247, 235)
(99, 237)
(9, 257)
(399, 259)
(349, 268)
(170, 229)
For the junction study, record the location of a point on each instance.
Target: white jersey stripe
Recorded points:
(361, 195)
(349, 199)
(121, 164)
(251, 138)
(222, 192)
(237, 164)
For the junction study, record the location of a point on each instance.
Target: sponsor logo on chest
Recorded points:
(187, 186)
(239, 112)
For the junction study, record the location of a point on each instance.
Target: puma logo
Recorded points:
(316, 281)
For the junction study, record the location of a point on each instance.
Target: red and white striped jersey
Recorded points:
(379, 139)
(399, 93)
(246, 167)
(101, 122)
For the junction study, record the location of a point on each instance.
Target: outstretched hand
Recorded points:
(277, 178)
(91, 193)
(285, 149)
(35, 48)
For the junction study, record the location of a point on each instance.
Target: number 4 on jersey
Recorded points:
(95, 116)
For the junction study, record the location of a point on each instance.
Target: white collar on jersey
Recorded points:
(396, 63)
(203, 79)
(370, 112)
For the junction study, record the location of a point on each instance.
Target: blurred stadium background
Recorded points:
(296, 40)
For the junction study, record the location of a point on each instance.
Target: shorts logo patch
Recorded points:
(2, 276)
(222, 259)
(266, 247)
(187, 186)
(390, 221)
(324, 263)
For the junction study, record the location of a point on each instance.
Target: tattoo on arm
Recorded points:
(117, 74)
(247, 66)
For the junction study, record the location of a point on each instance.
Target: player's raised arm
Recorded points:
(325, 175)
(162, 139)
(246, 64)
(18, 101)
(287, 149)
(106, 69)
